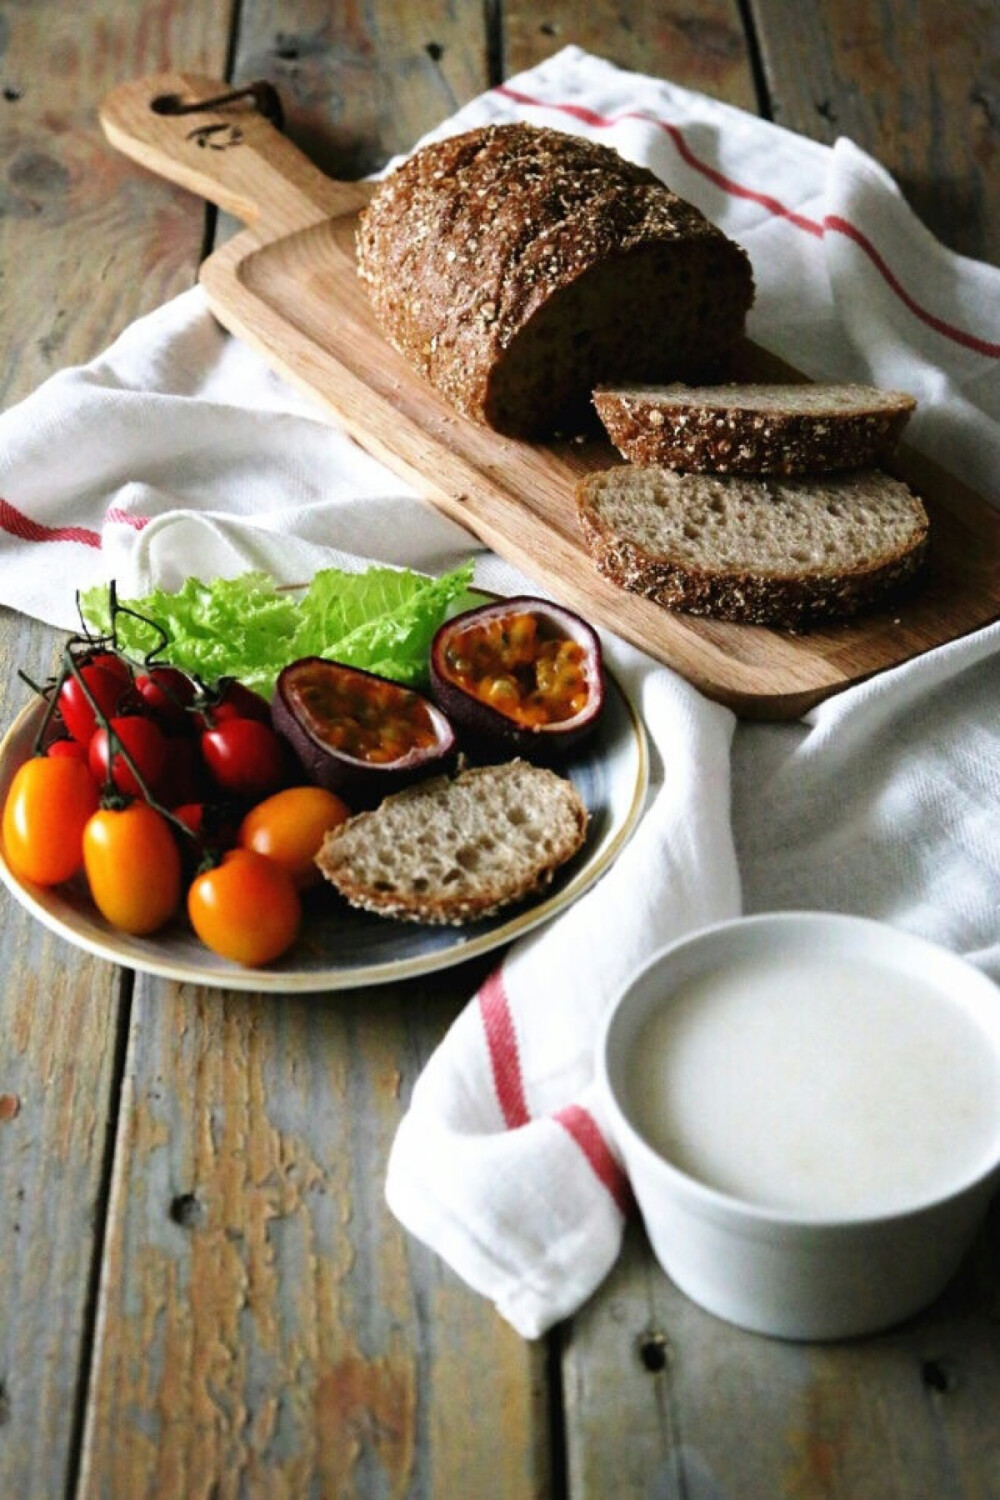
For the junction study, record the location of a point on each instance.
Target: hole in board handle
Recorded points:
(263, 95)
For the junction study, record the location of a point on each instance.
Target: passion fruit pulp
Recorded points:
(523, 671)
(356, 733)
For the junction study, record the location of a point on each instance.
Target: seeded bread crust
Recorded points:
(786, 552)
(755, 429)
(516, 267)
(455, 850)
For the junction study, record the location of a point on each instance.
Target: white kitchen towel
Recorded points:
(179, 452)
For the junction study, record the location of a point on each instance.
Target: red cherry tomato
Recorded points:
(144, 741)
(191, 814)
(244, 757)
(289, 828)
(108, 681)
(167, 693)
(231, 699)
(47, 808)
(211, 828)
(71, 748)
(246, 908)
(133, 867)
(110, 661)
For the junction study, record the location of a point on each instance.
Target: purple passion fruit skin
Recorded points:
(356, 733)
(521, 673)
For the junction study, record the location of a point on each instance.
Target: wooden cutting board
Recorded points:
(287, 285)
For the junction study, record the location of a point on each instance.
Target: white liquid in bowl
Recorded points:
(826, 1087)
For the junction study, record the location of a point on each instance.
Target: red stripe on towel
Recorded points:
(583, 1128)
(505, 1060)
(124, 518)
(508, 1082)
(16, 523)
(958, 335)
(774, 206)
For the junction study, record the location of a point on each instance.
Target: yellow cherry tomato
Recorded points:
(289, 828)
(246, 908)
(44, 815)
(133, 867)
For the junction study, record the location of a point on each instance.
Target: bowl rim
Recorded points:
(715, 1203)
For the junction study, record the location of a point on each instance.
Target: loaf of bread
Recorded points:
(783, 552)
(456, 849)
(754, 429)
(517, 267)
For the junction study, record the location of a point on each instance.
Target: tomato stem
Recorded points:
(84, 635)
(50, 710)
(117, 608)
(211, 859)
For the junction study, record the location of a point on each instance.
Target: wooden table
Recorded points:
(203, 1294)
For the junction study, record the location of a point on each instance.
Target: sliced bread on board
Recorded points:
(516, 267)
(784, 552)
(754, 429)
(456, 849)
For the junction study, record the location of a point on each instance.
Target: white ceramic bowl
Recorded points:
(875, 1224)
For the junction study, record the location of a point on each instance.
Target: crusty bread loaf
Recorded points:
(782, 552)
(516, 267)
(456, 849)
(754, 429)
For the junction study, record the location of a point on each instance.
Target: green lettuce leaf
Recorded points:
(248, 627)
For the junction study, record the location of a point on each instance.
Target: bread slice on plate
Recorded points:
(455, 849)
(783, 552)
(754, 429)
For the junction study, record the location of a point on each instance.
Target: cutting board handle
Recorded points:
(217, 141)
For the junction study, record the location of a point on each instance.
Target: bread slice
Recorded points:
(754, 429)
(782, 552)
(456, 849)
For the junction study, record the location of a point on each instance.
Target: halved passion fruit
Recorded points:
(355, 733)
(522, 671)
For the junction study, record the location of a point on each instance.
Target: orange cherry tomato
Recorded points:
(289, 828)
(246, 908)
(46, 810)
(133, 867)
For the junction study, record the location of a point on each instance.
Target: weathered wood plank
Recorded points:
(710, 1410)
(265, 1327)
(915, 85)
(87, 242)
(361, 83)
(699, 43)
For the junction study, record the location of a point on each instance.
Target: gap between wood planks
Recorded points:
(556, 1415)
(755, 58)
(493, 24)
(91, 1309)
(211, 222)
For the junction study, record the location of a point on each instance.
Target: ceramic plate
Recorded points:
(340, 948)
